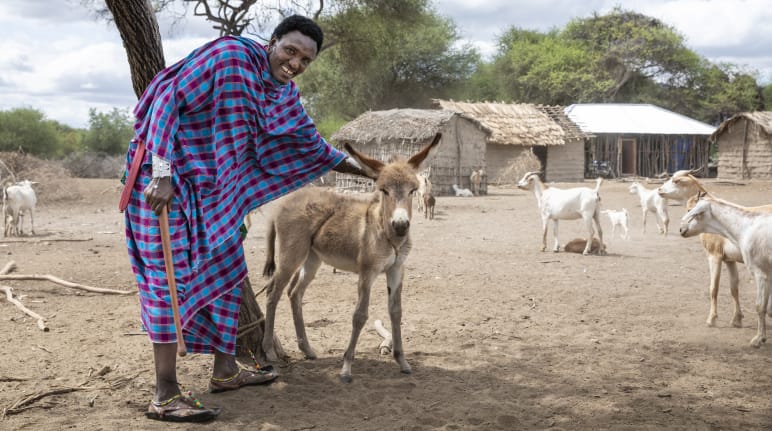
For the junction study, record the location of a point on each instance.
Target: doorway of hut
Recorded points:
(540, 151)
(627, 157)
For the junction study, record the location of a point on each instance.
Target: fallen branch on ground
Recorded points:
(9, 296)
(39, 240)
(64, 283)
(25, 402)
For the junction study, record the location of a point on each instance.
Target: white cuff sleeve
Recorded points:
(161, 168)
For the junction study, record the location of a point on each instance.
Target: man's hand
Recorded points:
(159, 193)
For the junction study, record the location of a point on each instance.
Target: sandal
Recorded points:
(261, 376)
(180, 409)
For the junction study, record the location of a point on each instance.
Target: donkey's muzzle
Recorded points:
(401, 227)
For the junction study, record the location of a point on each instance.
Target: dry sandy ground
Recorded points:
(499, 334)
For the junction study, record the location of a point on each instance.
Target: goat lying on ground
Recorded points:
(751, 232)
(365, 236)
(577, 245)
(429, 202)
(424, 187)
(465, 193)
(619, 218)
(565, 204)
(682, 186)
(18, 199)
(652, 202)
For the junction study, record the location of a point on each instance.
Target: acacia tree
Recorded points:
(137, 24)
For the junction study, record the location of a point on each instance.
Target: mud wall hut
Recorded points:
(520, 128)
(745, 146)
(641, 139)
(403, 132)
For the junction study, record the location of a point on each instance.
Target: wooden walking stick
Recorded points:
(166, 242)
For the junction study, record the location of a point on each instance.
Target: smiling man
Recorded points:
(218, 134)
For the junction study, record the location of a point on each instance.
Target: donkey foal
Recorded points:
(365, 236)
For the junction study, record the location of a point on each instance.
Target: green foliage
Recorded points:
(766, 93)
(109, 132)
(386, 54)
(28, 130)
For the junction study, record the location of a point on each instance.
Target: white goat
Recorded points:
(682, 186)
(619, 218)
(424, 187)
(465, 193)
(751, 231)
(652, 202)
(565, 204)
(18, 199)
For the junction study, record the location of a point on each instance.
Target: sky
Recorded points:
(57, 57)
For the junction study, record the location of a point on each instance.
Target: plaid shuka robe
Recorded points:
(236, 138)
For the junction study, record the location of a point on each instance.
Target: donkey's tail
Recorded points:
(270, 247)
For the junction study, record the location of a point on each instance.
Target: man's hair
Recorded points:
(302, 24)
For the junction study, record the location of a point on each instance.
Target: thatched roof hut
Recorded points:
(521, 127)
(383, 134)
(745, 146)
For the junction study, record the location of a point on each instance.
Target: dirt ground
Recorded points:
(499, 334)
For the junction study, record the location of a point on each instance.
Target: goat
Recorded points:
(682, 186)
(465, 193)
(751, 231)
(18, 199)
(565, 204)
(475, 181)
(429, 202)
(424, 187)
(577, 245)
(366, 236)
(619, 218)
(652, 202)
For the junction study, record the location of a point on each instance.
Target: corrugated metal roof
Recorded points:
(634, 118)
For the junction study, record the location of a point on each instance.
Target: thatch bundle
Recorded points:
(410, 125)
(761, 119)
(52, 178)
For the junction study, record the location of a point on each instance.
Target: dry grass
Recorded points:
(50, 176)
(526, 162)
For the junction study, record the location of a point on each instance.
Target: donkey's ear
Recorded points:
(422, 159)
(371, 167)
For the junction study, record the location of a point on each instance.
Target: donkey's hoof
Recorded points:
(346, 378)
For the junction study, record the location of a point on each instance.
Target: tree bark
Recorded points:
(141, 37)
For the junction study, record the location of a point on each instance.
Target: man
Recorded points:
(224, 133)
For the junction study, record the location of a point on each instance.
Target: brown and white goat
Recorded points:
(366, 236)
(751, 232)
(429, 202)
(683, 186)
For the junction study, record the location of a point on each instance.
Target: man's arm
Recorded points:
(351, 166)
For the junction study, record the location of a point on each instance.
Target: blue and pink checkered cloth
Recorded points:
(236, 139)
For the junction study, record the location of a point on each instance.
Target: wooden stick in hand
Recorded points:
(166, 242)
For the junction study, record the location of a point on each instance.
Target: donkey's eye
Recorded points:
(384, 192)
(412, 192)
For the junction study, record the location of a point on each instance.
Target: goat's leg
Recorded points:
(602, 249)
(366, 278)
(544, 235)
(763, 287)
(734, 287)
(645, 211)
(590, 233)
(394, 278)
(305, 275)
(714, 263)
(555, 234)
(665, 220)
(31, 222)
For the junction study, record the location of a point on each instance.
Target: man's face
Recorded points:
(290, 55)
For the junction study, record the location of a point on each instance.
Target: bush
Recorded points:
(94, 165)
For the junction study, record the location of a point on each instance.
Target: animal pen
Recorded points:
(402, 132)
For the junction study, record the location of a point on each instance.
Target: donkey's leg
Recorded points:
(394, 277)
(290, 260)
(366, 279)
(763, 287)
(304, 277)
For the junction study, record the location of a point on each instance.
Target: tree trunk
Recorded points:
(136, 22)
(251, 326)
(138, 27)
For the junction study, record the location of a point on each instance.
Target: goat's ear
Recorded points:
(420, 160)
(371, 167)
